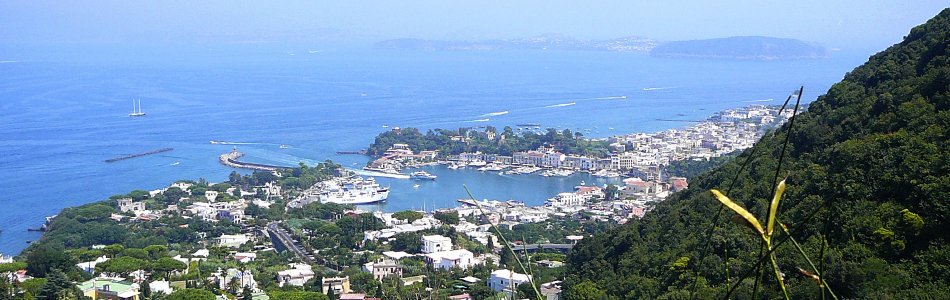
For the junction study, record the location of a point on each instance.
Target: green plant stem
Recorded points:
(714, 220)
(758, 270)
(762, 259)
(507, 245)
(821, 278)
(778, 274)
(821, 258)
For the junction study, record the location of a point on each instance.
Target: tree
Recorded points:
(12, 267)
(408, 215)
(298, 295)
(43, 260)
(611, 192)
(449, 218)
(156, 251)
(220, 187)
(191, 294)
(167, 265)
(146, 290)
(586, 291)
(136, 253)
(173, 194)
(32, 286)
(123, 265)
(113, 250)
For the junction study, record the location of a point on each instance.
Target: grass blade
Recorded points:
(739, 210)
(774, 207)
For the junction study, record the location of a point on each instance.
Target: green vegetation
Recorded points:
(440, 139)
(870, 157)
(692, 168)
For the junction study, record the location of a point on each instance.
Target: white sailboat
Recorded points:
(137, 113)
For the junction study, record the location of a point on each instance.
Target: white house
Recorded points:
(297, 276)
(211, 195)
(452, 259)
(235, 240)
(500, 280)
(435, 243)
(90, 266)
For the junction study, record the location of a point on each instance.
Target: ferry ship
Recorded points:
(422, 175)
(353, 190)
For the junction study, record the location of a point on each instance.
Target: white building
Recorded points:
(500, 280)
(297, 276)
(452, 259)
(436, 243)
(235, 240)
(90, 266)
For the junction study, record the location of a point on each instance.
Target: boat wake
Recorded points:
(495, 114)
(377, 174)
(234, 143)
(559, 105)
(656, 88)
(763, 100)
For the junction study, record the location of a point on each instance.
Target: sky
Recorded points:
(836, 24)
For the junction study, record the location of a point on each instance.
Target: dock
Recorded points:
(231, 160)
(138, 154)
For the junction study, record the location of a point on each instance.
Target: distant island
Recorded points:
(544, 42)
(742, 48)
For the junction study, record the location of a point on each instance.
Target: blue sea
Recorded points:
(61, 117)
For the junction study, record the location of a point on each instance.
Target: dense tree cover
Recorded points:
(57, 286)
(441, 139)
(300, 177)
(871, 156)
(692, 168)
(191, 294)
(298, 295)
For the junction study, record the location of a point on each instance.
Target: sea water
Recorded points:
(61, 119)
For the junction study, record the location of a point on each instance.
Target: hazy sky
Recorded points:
(842, 24)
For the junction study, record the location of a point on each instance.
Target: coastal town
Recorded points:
(281, 231)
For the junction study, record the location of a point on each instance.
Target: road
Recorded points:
(285, 239)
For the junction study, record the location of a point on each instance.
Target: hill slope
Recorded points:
(875, 147)
(740, 47)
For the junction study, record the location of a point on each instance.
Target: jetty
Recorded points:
(231, 160)
(138, 154)
(361, 152)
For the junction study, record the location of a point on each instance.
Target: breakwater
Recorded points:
(138, 154)
(231, 160)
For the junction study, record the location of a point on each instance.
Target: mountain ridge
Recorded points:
(874, 148)
(741, 48)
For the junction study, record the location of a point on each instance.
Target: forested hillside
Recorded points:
(870, 156)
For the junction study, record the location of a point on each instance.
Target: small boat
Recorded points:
(137, 113)
(415, 186)
(385, 126)
(422, 175)
(284, 147)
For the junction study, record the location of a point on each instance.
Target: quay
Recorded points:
(230, 160)
(138, 154)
